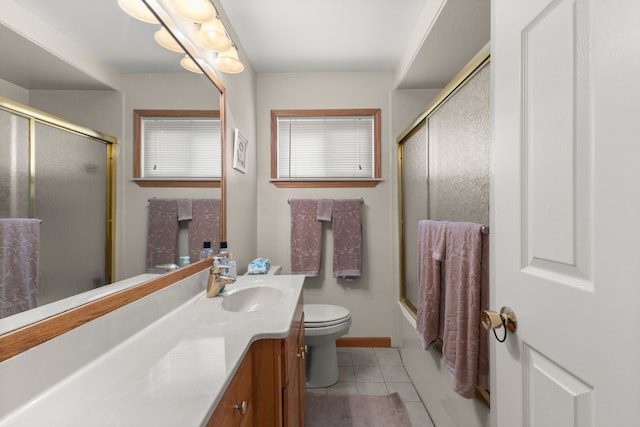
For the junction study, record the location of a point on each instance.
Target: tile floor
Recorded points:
(377, 371)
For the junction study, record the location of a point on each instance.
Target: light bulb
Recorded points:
(195, 10)
(212, 35)
(228, 61)
(166, 40)
(190, 65)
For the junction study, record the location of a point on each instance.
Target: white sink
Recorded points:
(251, 299)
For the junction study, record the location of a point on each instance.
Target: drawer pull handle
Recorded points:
(242, 407)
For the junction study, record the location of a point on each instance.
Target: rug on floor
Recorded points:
(354, 410)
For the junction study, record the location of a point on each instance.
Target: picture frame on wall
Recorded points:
(240, 144)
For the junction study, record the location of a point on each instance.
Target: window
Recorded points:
(177, 148)
(325, 148)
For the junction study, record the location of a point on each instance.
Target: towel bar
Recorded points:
(290, 199)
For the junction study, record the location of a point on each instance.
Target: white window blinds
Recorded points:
(333, 147)
(181, 147)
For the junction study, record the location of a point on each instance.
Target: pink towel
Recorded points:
(19, 251)
(184, 209)
(162, 237)
(463, 278)
(431, 249)
(483, 357)
(204, 226)
(325, 208)
(306, 238)
(347, 238)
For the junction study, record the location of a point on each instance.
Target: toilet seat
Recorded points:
(324, 315)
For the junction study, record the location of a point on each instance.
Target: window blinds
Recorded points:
(181, 147)
(338, 147)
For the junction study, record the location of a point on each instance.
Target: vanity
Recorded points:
(173, 357)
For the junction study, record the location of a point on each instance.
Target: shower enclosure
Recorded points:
(60, 173)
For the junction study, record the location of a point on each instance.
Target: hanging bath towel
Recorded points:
(306, 238)
(347, 238)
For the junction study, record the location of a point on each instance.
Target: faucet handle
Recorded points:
(218, 269)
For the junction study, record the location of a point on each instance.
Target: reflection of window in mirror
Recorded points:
(177, 148)
(325, 148)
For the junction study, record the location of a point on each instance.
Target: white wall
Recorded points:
(370, 298)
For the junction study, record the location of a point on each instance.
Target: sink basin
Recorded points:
(251, 299)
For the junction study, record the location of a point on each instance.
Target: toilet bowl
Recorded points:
(323, 324)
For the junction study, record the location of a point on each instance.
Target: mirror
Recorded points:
(35, 37)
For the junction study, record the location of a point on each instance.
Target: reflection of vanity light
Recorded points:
(212, 35)
(228, 61)
(188, 64)
(166, 40)
(195, 10)
(137, 9)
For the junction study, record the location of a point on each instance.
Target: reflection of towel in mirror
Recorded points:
(162, 236)
(347, 238)
(306, 238)
(204, 226)
(19, 252)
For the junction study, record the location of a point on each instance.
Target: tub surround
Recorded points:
(165, 359)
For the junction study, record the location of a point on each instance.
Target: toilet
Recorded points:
(323, 324)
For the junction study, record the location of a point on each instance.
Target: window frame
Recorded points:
(326, 183)
(138, 115)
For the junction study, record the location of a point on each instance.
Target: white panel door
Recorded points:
(566, 211)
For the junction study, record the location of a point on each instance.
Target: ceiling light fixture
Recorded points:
(166, 40)
(212, 35)
(138, 9)
(195, 10)
(228, 62)
(190, 65)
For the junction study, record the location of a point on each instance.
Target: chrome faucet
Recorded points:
(217, 281)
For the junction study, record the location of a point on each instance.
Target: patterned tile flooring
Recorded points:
(377, 371)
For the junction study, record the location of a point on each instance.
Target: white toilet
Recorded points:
(323, 324)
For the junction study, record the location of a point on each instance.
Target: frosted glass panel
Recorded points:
(415, 201)
(71, 201)
(14, 166)
(459, 136)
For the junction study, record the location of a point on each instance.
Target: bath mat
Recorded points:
(354, 410)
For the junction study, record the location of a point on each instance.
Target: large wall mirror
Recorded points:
(91, 64)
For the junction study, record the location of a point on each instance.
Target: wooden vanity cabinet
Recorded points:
(279, 377)
(271, 380)
(236, 408)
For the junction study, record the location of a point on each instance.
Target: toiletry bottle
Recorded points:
(206, 251)
(233, 270)
(184, 261)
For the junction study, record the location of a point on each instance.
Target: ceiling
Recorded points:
(400, 36)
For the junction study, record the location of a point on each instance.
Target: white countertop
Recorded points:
(173, 372)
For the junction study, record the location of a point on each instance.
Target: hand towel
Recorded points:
(347, 238)
(483, 356)
(162, 236)
(306, 238)
(431, 247)
(463, 278)
(19, 252)
(184, 210)
(325, 208)
(204, 226)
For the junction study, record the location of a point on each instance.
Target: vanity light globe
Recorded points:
(228, 61)
(166, 40)
(138, 10)
(190, 65)
(212, 35)
(194, 10)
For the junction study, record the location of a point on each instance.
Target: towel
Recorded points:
(325, 208)
(19, 251)
(483, 356)
(185, 212)
(431, 250)
(306, 238)
(162, 236)
(463, 278)
(347, 238)
(204, 226)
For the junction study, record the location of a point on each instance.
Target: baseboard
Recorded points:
(364, 342)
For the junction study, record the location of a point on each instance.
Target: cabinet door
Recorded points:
(294, 388)
(235, 409)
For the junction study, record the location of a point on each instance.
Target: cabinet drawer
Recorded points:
(229, 410)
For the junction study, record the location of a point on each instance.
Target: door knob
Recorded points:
(242, 407)
(491, 321)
